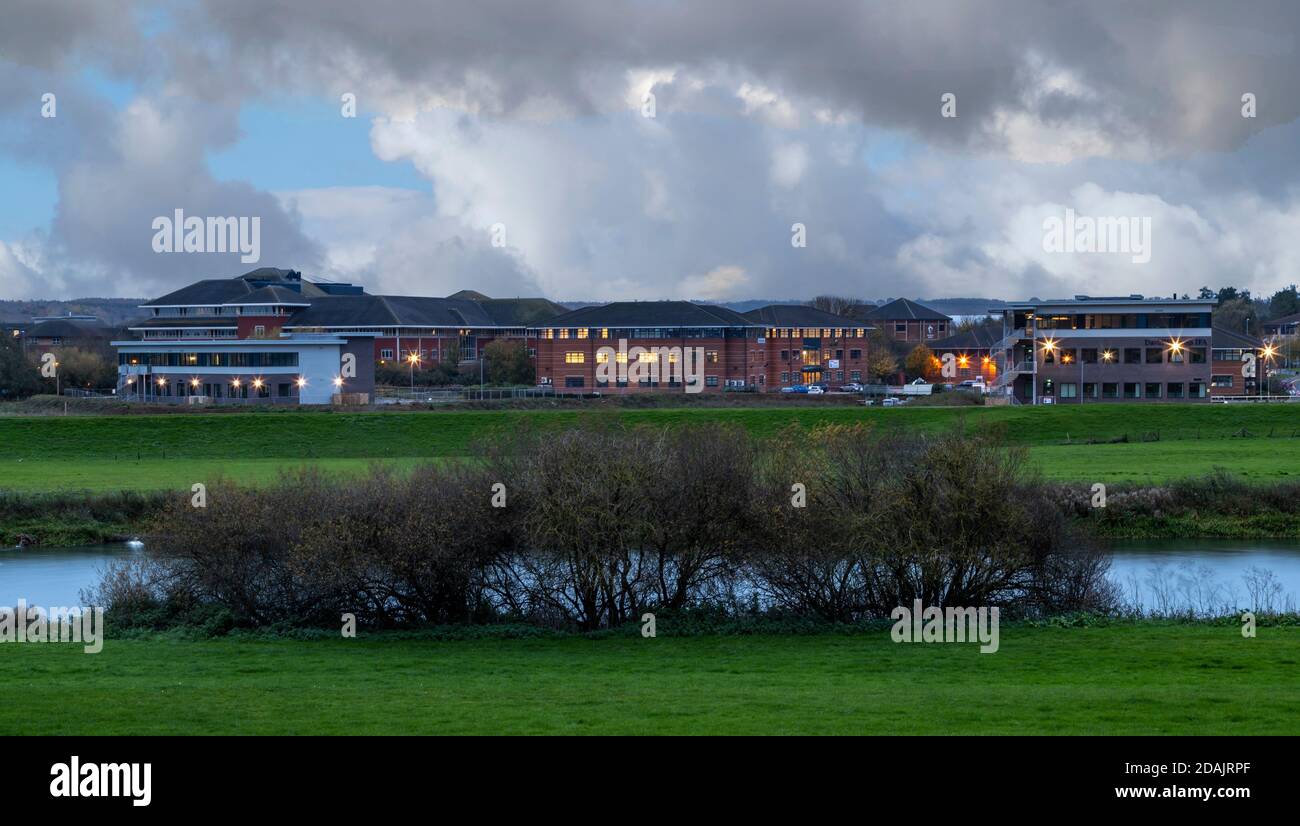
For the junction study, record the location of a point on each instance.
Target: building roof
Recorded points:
(1294, 318)
(65, 328)
(651, 314)
(982, 337)
(801, 315)
(1231, 340)
(273, 295)
(285, 284)
(391, 311)
(519, 312)
(903, 308)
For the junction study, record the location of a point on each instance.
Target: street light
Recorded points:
(1266, 353)
(414, 359)
(1049, 346)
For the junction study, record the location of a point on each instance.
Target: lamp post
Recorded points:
(1266, 355)
(414, 359)
(1049, 346)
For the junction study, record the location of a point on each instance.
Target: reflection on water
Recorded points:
(1208, 576)
(54, 576)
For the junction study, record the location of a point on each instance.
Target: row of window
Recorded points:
(831, 375)
(572, 357)
(211, 359)
(814, 356)
(816, 332)
(552, 333)
(1127, 390)
(1122, 321)
(1125, 355)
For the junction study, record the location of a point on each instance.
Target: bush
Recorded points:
(589, 529)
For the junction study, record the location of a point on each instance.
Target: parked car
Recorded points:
(974, 384)
(816, 390)
(891, 401)
(852, 387)
(796, 388)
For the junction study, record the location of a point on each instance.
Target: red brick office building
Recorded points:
(905, 320)
(594, 348)
(804, 345)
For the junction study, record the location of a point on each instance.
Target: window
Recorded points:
(710, 381)
(710, 356)
(285, 390)
(854, 355)
(1153, 390)
(259, 330)
(785, 378)
(1174, 390)
(573, 381)
(1088, 356)
(1049, 356)
(1221, 381)
(785, 355)
(602, 358)
(386, 353)
(1067, 356)
(1132, 355)
(1196, 355)
(582, 332)
(1132, 390)
(856, 375)
(1069, 390)
(1197, 390)
(1109, 390)
(900, 327)
(575, 358)
(1089, 390)
(1155, 355)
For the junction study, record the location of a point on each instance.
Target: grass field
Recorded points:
(174, 451)
(1123, 679)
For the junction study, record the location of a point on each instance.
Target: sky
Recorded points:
(653, 149)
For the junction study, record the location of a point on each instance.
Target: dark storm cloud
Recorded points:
(1170, 72)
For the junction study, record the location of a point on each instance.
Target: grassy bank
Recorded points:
(1143, 678)
(1106, 443)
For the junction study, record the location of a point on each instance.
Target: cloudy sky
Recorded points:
(651, 148)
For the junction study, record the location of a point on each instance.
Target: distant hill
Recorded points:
(114, 312)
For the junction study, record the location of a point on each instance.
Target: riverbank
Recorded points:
(1124, 678)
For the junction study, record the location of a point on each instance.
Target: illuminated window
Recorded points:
(564, 332)
(604, 332)
(711, 356)
(647, 358)
(575, 358)
(602, 358)
(582, 332)
(620, 358)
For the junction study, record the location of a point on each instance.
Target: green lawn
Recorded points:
(174, 451)
(1128, 679)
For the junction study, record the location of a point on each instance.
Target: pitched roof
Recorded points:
(391, 311)
(906, 309)
(63, 328)
(1286, 319)
(1222, 339)
(519, 312)
(976, 338)
(208, 292)
(651, 314)
(801, 315)
(273, 295)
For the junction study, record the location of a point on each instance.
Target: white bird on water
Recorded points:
(134, 544)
